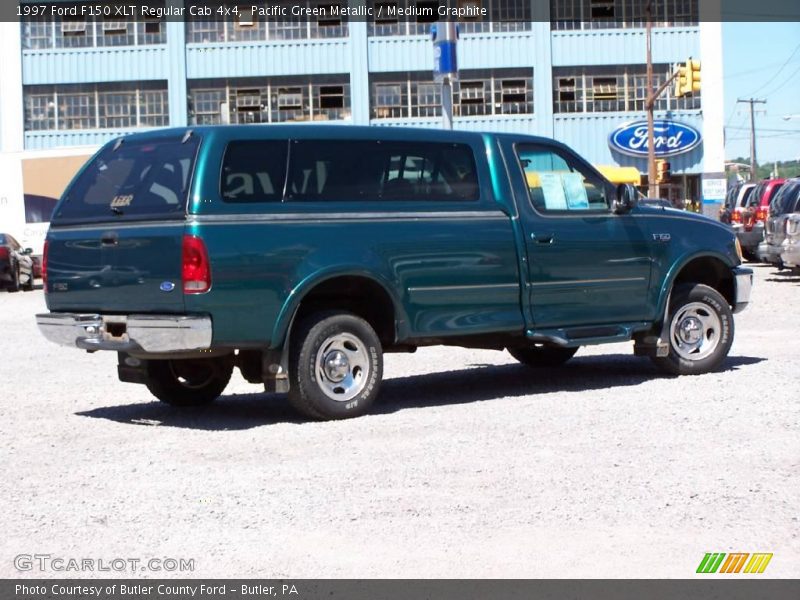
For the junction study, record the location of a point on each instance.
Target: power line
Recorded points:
(778, 72)
(784, 82)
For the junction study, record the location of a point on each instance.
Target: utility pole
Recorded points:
(753, 163)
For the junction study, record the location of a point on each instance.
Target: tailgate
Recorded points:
(114, 268)
(115, 241)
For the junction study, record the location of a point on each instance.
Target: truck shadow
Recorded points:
(464, 386)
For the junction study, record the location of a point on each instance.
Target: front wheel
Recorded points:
(700, 331)
(542, 355)
(335, 366)
(188, 382)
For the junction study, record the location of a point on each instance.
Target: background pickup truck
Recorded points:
(302, 254)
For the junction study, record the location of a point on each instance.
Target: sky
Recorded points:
(762, 61)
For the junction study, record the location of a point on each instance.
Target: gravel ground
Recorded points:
(471, 466)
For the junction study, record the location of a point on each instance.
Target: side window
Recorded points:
(254, 171)
(352, 170)
(557, 183)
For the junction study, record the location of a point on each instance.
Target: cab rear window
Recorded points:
(133, 179)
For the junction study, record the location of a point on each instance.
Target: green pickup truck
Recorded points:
(301, 254)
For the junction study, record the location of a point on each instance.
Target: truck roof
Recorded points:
(333, 131)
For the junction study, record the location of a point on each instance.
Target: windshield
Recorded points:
(785, 198)
(133, 178)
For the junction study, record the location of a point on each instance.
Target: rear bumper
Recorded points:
(790, 253)
(768, 253)
(750, 239)
(743, 283)
(127, 333)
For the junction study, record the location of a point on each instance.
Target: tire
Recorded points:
(335, 366)
(188, 382)
(14, 285)
(700, 331)
(542, 355)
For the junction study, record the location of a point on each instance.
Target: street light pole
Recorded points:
(652, 186)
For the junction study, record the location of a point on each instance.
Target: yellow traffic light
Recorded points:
(694, 79)
(688, 79)
(681, 81)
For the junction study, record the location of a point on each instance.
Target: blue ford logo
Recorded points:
(167, 286)
(670, 138)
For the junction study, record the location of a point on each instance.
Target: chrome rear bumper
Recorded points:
(126, 333)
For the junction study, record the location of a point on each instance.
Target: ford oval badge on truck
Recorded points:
(670, 137)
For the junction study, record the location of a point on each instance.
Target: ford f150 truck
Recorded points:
(301, 254)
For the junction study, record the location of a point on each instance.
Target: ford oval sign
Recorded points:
(670, 137)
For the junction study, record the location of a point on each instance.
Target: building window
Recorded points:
(153, 108)
(269, 100)
(605, 14)
(620, 88)
(501, 15)
(96, 106)
(79, 32)
(480, 92)
(40, 112)
(116, 109)
(249, 27)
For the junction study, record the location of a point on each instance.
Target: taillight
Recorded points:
(761, 214)
(196, 268)
(44, 266)
(3, 253)
(736, 217)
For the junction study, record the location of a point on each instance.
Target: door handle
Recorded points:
(109, 239)
(542, 238)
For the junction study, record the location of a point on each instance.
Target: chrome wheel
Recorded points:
(695, 331)
(342, 367)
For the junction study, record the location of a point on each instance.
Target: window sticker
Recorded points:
(121, 201)
(553, 191)
(575, 191)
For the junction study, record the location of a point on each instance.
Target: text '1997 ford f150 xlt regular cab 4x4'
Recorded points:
(301, 254)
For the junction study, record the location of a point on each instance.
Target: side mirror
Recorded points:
(626, 199)
(28, 251)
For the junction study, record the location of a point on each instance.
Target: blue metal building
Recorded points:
(570, 69)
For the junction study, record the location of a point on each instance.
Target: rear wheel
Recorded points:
(542, 355)
(335, 366)
(700, 331)
(188, 382)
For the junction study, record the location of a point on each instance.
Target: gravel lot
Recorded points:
(472, 466)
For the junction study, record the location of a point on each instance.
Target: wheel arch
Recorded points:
(711, 269)
(351, 289)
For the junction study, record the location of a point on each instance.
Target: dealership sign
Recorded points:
(670, 138)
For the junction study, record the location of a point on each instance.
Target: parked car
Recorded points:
(37, 267)
(790, 247)
(301, 254)
(16, 264)
(735, 202)
(785, 202)
(750, 229)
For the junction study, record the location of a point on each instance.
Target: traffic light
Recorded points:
(688, 79)
(681, 81)
(694, 79)
(662, 171)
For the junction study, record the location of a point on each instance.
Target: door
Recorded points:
(586, 265)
